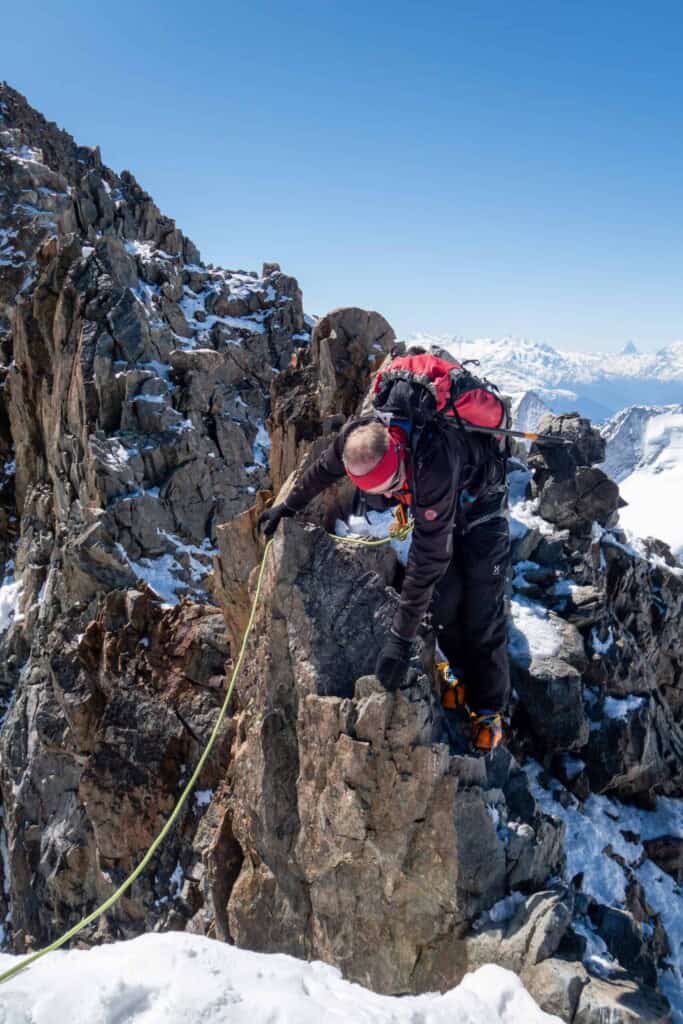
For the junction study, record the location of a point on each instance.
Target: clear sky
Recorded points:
(483, 168)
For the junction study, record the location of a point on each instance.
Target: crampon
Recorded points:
(452, 687)
(486, 730)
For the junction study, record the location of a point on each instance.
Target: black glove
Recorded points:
(392, 664)
(268, 520)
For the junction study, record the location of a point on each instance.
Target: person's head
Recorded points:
(374, 458)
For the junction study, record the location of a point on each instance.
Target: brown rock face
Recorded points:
(121, 713)
(346, 344)
(367, 843)
(325, 384)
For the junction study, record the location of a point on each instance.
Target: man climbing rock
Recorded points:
(453, 482)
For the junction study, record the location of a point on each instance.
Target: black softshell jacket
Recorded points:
(445, 466)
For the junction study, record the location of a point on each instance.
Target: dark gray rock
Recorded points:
(176, 318)
(116, 262)
(129, 328)
(550, 691)
(556, 985)
(574, 503)
(549, 552)
(631, 752)
(562, 461)
(626, 943)
(531, 936)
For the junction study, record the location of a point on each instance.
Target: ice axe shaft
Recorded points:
(526, 435)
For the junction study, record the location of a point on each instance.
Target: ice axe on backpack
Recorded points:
(525, 435)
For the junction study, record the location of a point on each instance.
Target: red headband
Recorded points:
(387, 465)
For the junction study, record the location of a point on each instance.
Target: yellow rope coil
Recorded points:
(400, 529)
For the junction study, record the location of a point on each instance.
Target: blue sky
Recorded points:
(473, 168)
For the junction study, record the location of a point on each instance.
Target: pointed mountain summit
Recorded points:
(629, 349)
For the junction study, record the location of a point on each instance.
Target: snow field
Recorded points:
(177, 978)
(654, 505)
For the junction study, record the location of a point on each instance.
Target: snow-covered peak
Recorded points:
(528, 409)
(643, 437)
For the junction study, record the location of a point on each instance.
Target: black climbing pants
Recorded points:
(468, 613)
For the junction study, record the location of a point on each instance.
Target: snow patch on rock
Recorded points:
(596, 831)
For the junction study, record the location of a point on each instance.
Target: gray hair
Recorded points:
(364, 447)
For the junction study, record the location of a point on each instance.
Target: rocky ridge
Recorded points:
(334, 820)
(135, 384)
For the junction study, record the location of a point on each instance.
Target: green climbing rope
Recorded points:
(400, 529)
(360, 540)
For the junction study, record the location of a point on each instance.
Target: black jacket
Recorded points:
(456, 480)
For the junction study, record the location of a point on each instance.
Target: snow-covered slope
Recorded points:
(596, 384)
(528, 409)
(178, 978)
(642, 436)
(645, 457)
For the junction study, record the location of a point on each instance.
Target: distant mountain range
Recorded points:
(597, 384)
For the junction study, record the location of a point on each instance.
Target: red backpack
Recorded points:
(420, 386)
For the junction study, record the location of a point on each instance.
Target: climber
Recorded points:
(454, 484)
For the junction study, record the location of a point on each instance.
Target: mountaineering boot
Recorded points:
(452, 687)
(486, 730)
